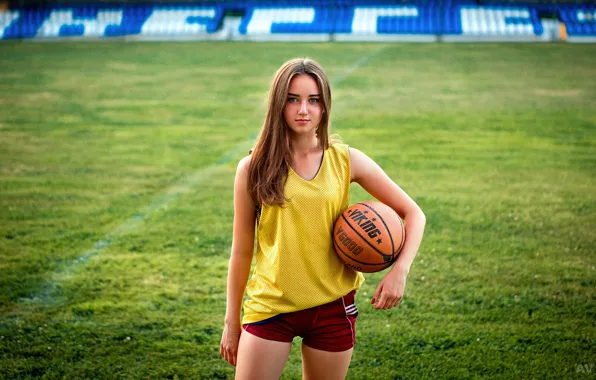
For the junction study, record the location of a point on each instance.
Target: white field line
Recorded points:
(46, 295)
(356, 65)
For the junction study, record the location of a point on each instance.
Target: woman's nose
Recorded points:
(303, 108)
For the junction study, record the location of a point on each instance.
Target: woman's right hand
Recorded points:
(228, 346)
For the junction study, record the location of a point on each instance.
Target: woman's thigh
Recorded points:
(260, 358)
(318, 364)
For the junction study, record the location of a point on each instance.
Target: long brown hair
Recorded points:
(268, 167)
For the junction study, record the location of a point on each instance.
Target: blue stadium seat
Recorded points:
(329, 16)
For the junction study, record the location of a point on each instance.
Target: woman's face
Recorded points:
(303, 109)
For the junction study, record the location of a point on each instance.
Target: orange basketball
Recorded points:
(368, 236)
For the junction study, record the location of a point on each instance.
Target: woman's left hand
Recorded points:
(391, 289)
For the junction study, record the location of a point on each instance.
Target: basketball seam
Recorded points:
(351, 258)
(385, 224)
(357, 233)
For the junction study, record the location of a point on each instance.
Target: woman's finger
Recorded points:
(396, 303)
(381, 303)
(234, 357)
(224, 352)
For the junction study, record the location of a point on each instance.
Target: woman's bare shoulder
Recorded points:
(244, 163)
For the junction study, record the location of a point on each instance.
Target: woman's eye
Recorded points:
(292, 100)
(314, 100)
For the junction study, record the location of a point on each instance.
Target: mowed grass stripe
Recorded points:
(494, 143)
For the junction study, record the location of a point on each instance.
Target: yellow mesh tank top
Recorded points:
(296, 266)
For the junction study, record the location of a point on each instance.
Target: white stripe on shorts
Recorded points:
(351, 309)
(351, 326)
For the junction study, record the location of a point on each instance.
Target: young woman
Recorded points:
(289, 192)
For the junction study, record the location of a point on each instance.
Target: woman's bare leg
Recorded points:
(260, 358)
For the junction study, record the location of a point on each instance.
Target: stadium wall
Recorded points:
(310, 21)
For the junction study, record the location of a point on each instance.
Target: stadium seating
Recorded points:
(319, 20)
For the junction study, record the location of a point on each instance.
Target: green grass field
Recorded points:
(116, 171)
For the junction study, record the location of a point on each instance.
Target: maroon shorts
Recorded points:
(329, 327)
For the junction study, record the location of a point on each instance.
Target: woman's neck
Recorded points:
(304, 145)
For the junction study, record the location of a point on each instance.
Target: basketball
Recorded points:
(368, 236)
